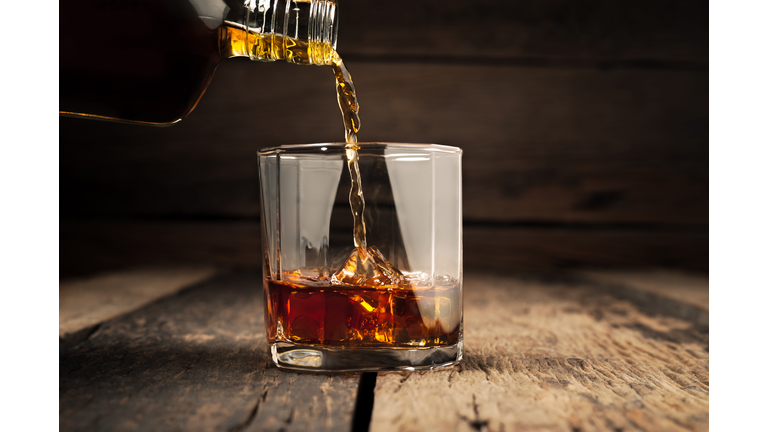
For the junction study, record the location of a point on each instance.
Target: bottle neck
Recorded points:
(296, 31)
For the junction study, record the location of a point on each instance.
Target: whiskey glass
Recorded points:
(391, 303)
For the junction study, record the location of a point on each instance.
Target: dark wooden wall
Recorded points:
(584, 126)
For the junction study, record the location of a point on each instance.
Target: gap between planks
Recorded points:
(551, 354)
(560, 354)
(196, 362)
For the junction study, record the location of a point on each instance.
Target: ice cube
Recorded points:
(367, 267)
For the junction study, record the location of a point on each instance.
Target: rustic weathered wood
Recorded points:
(685, 295)
(547, 248)
(90, 245)
(195, 361)
(689, 288)
(86, 302)
(550, 29)
(540, 353)
(100, 244)
(541, 144)
(556, 355)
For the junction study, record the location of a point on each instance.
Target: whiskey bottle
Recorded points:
(150, 61)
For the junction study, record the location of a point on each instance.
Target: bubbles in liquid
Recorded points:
(366, 266)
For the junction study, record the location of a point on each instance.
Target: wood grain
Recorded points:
(689, 288)
(681, 294)
(541, 144)
(195, 361)
(89, 246)
(556, 356)
(541, 353)
(98, 245)
(89, 301)
(495, 247)
(551, 29)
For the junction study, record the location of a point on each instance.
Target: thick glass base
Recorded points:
(322, 358)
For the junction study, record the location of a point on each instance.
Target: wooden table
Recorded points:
(184, 349)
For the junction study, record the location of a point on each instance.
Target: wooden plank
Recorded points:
(591, 29)
(550, 248)
(101, 245)
(93, 245)
(195, 362)
(685, 295)
(541, 144)
(86, 302)
(688, 288)
(556, 355)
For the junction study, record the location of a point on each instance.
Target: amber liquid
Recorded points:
(348, 315)
(347, 98)
(368, 303)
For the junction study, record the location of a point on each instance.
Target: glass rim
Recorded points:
(340, 146)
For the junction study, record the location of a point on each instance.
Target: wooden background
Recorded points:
(584, 126)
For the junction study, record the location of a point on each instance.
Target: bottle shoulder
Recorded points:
(150, 66)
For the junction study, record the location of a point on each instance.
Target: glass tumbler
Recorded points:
(391, 301)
